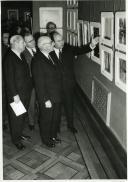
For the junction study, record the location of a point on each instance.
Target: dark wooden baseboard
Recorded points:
(111, 145)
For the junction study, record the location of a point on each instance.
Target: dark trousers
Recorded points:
(67, 101)
(48, 121)
(17, 123)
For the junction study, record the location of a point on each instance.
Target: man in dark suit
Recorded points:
(18, 87)
(30, 50)
(66, 55)
(47, 81)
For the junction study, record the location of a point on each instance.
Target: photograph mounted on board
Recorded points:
(13, 14)
(120, 31)
(120, 70)
(107, 28)
(106, 62)
(95, 32)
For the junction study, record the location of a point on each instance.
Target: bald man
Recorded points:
(18, 87)
(47, 82)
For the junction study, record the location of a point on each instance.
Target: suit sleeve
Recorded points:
(81, 50)
(10, 77)
(39, 81)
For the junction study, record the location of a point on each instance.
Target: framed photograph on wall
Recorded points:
(95, 31)
(75, 19)
(120, 31)
(71, 20)
(86, 30)
(13, 14)
(47, 14)
(120, 70)
(70, 38)
(106, 55)
(68, 19)
(74, 37)
(80, 32)
(107, 28)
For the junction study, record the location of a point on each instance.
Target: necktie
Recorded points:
(33, 52)
(60, 55)
(51, 59)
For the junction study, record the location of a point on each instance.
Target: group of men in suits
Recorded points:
(49, 75)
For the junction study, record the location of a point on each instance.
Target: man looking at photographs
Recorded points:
(47, 82)
(18, 87)
(66, 54)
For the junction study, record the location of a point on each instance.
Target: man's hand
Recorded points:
(16, 98)
(48, 104)
(94, 42)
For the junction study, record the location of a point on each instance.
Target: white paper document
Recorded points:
(18, 108)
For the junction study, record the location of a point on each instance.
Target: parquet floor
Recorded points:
(38, 162)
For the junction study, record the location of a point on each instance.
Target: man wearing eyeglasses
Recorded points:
(47, 82)
(66, 54)
(30, 50)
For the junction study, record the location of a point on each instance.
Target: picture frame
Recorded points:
(86, 36)
(26, 16)
(71, 20)
(107, 28)
(68, 19)
(13, 14)
(106, 55)
(120, 70)
(71, 38)
(75, 19)
(74, 37)
(95, 30)
(68, 37)
(47, 14)
(80, 32)
(120, 31)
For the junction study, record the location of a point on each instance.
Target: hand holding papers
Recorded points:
(18, 108)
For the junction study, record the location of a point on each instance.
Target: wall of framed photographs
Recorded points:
(109, 66)
(72, 18)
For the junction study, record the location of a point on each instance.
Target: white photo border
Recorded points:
(104, 16)
(119, 46)
(103, 71)
(95, 25)
(118, 82)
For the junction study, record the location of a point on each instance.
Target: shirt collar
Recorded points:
(46, 54)
(16, 52)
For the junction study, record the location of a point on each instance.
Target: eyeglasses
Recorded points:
(60, 40)
(30, 41)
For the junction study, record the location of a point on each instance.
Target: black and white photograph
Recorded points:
(120, 33)
(107, 26)
(120, 67)
(95, 29)
(107, 62)
(63, 90)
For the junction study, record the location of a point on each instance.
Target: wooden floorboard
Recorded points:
(103, 158)
(93, 165)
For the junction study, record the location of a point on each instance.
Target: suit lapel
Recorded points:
(46, 59)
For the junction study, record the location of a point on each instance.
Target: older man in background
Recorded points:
(29, 52)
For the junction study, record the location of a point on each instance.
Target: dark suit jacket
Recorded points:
(17, 77)
(47, 79)
(67, 63)
(28, 58)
